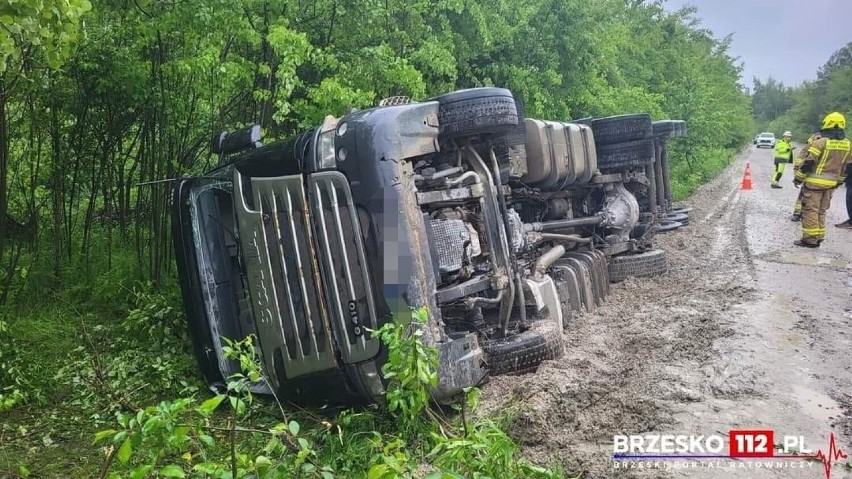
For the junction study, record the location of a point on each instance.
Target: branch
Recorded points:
(139, 7)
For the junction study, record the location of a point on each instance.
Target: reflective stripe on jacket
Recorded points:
(803, 153)
(830, 158)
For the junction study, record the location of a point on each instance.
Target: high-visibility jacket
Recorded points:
(803, 153)
(829, 158)
(783, 150)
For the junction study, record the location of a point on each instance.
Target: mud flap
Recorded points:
(544, 295)
(584, 281)
(568, 288)
(460, 365)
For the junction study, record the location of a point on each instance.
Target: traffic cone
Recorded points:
(746, 178)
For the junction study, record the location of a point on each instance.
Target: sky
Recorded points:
(786, 39)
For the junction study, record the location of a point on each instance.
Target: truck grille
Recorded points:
(351, 303)
(304, 289)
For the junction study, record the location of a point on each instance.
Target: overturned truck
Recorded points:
(502, 228)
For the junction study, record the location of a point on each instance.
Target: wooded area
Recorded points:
(100, 96)
(134, 93)
(801, 109)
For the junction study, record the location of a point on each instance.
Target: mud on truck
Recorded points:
(502, 228)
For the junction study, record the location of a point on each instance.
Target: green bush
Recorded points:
(187, 437)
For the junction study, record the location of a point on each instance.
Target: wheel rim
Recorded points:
(667, 226)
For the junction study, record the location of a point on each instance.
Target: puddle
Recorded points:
(815, 404)
(809, 259)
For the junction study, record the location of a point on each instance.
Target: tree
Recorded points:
(770, 99)
(34, 35)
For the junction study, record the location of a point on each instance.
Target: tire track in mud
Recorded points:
(643, 360)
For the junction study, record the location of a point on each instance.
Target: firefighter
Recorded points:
(797, 207)
(825, 166)
(783, 155)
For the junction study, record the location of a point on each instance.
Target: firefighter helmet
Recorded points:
(834, 120)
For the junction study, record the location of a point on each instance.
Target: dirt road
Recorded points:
(745, 331)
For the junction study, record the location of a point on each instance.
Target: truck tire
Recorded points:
(474, 111)
(524, 351)
(626, 155)
(679, 217)
(669, 128)
(512, 144)
(621, 128)
(667, 226)
(648, 263)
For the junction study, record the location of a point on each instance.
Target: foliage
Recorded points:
(411, 367)
(16, 381)
(151, 81)
(770, 99)
(188, 438)
(808, 103)
(143, 356)
(47, 31)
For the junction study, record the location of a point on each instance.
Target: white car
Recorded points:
(765, 139)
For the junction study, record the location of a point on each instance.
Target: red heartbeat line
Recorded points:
(834, 453)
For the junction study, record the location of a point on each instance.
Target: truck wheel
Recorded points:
(669, 128)
(622, 128)
(679, 217)
(649, 263)
(512, 145)
(523, 352)
(666, 226)
(624, 155)
(475, 111)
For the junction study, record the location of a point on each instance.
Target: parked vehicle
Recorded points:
(502, 228)
(766, 140)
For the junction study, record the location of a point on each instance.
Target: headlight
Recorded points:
(325, 143)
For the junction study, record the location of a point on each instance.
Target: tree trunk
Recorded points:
(4, 165)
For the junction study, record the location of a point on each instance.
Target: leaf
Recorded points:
(141, 472)
(377, 472)
(210, 405)
(294, 428)
(124, 451)
(172, 471)
(100, 435)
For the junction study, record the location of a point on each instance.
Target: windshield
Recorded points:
(767, 135)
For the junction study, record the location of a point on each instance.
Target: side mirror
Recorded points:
(226, 143)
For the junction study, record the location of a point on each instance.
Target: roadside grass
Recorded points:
(74, 355)
(47, 441)
(689, 169)
(89, 367)
(46, 437)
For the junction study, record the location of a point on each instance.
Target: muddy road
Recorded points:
(745, 331)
